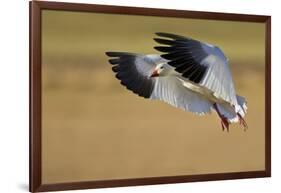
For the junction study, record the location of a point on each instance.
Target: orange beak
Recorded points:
(155, 74)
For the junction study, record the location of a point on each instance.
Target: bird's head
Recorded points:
(159, 70)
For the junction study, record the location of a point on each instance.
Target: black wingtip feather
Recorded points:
(110, 54)
(200, 75)
(173, 55)
(170, 35)
(119, 54)
(162, 48)
(115, 69)
(164, 41)
(169, 49)
(114, 61)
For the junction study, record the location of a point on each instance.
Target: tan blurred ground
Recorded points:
(94, 129)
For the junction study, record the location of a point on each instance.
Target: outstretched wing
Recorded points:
(200, 63)
(134, 71)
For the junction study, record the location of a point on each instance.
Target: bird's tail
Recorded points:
(242, 108)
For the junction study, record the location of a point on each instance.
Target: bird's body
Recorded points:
(191, 75)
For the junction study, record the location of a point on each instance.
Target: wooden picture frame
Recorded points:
(36, 8)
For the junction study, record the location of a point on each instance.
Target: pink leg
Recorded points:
(242, 121)
(224, 121)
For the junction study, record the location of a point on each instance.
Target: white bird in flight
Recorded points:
(190, 75)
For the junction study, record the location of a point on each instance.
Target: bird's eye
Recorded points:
(161, 67)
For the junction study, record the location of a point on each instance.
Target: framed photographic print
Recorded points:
(123, 96)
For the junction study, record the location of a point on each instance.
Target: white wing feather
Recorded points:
(170, 90)
(219, 80)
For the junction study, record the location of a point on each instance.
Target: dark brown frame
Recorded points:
(36, 7)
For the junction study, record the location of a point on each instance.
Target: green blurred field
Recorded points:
(94, 129)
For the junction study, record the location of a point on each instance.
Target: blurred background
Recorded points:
(95, 129)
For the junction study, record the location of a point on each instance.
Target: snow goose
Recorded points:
(189, 74)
